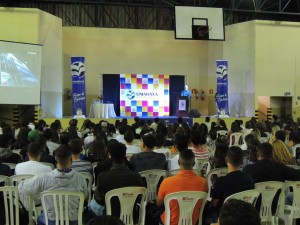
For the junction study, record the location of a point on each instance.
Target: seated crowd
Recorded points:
(116, 154)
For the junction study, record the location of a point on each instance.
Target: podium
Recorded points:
(182, 106)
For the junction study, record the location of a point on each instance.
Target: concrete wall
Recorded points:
(115, 51)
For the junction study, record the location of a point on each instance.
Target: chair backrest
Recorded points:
(263, 139)
(127, 197)
(249, 196)
(15, 180)
(296, 198)
(94, 166)
(187, 201)
(60, 202)
(268, 191)
(297, 167)
(222, 133)
(236, 139)
(212, 175)
(152, 179)
(296, 151)
(11, 204)
(4, 180)
(89, 180)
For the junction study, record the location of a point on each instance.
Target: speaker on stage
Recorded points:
(194, 113)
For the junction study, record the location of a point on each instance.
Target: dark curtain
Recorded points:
(176, 86)
(111, 90)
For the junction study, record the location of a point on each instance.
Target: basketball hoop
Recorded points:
(202, 32)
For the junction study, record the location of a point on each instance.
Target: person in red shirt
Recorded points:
(185, 180)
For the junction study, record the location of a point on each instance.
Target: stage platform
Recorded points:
(168, 119)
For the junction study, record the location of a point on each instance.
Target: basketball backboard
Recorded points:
(199, 23)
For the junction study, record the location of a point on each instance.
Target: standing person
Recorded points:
(186, 93)
(185, 180)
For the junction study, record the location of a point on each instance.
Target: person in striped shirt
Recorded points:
(77, 164)
(198, 146)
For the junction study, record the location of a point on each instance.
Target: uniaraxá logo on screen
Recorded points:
(130, 95)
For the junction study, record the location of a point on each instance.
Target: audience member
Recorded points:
(198, 142)
(235, 181)
(79, 165)
(238, 212)
(33, 166)
(159, 142)
(265, 169)
(185, 180)
(52, 146)
(250, 155)
(97, 151)
(131, 148)
(6, 154)
(117, 177)
(282, 154)
(62, 178)
(148, 159)
(218, 161)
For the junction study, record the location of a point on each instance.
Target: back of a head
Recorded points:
(129, 136)
(238, 212)
(63, 155)
(248, 125)
(181, 142)
(33, 135)
(207, 119)
(34, 150)
(265, 150)
(117, 152)
(197, 138)
(187, 159)
(75, 146)
(47, 133)
(212, 134)
(73, 123)
(123, 129)
(149, 141)
(180, 120)
(235, 156)
(295, 137)
(280, 135)
(64, 138)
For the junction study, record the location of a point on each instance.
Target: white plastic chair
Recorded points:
(294, 167)
(236, 139)
(187, 201)
(89, 180)
(268, 191)
(291, 213)
(4, 180)
(152, 179)
(60, 202)
(222, 133)
(94, 166)
(295, 148)
(127, 197)
(249, 196)
(11, 204)
(214, 173)
(263, 139)
(15, 180)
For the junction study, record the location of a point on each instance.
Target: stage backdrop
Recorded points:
(144, 95)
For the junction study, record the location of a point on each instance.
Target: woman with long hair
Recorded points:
(282, 154)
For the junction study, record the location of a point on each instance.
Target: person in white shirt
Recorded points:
(122, 130)
(52, 146)
(131, 148)
(33, 166)
(159, 142)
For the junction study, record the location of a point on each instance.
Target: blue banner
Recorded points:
(221, 96)
(78, 86)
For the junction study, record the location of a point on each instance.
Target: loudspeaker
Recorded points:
(194, 113)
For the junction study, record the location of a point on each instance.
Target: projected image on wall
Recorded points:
(20, 73)
(15, 72)
(144, 95)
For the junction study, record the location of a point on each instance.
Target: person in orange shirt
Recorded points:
(185, 180)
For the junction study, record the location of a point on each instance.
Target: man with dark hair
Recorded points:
(52, 146)
(62, 178)
(123, 128)
(148, 159)
(238, 212)
(185, 180)
(79, 165)
(235, 181)
(6, 154)
(117, 177)
(33, 166)
(159, 142)
(131, 148)
(265, 169)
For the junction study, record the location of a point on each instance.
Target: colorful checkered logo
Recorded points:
(144, 95)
